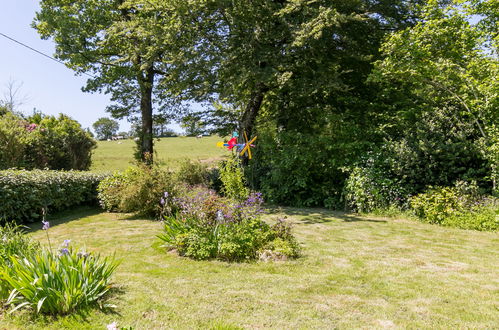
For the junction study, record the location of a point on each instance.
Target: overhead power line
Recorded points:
(37, 51)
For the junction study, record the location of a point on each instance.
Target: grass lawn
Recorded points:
(355, 273)
(118, 155)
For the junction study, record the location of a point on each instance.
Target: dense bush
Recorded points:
(192, 173)
(459, 206)
(368, 189)
(44, 142)
(208, 226)
(13, 142)
(137, 189)
(25, 193)
(59, 143)
(300, 169)
(57, 283)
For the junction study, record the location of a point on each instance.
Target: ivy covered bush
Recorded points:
(25, 193)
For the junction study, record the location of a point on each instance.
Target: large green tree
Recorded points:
(105, 128)
(284, 56)
(125, 45)
(446, 65)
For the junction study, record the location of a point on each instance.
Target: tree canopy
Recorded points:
(105, 128)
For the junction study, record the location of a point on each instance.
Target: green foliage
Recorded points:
(305, 169)
(59, 143)
(110, 189)
(232, 177)
(192, 173)
(44, 142)
(193, 124)
(13, 137)
(368, 189)
(138, 189)
(105, 128)
(441, 76)
(24, 193)
(58, 283)
(14, 244)
(242, 241)
(459, 206)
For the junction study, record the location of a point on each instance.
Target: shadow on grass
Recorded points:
(62, 217)
(317, 215)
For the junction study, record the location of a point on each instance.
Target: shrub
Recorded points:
(58, 283)
(110, 189)
(459, 206)
(12, 141)
(25, 193)
(44, 142)
(370, 187)
(192, 173)
(208, 226)
(58, 143)
(138, 189)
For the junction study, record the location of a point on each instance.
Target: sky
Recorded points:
(50, 87)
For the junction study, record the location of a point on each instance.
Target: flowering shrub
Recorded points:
(57, 143)
(203, 225)
(25, 193)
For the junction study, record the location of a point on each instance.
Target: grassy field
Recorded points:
(355, 272)
(118, 155)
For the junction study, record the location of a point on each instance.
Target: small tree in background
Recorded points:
(105, 128)
(193, 124)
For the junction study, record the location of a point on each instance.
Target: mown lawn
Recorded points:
(118, 155)
(355, 273)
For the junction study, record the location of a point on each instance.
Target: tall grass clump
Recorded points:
(50, 282)
(13, 244)
(58, 283)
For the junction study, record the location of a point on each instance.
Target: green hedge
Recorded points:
(23, 194)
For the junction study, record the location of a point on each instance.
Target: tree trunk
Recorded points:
(249, 116)
(146, 137)
(251, 112)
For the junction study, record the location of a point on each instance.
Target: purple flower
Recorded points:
(66, 242)
(162, 201)
(64, 251)
(46, 225)
(166, 194)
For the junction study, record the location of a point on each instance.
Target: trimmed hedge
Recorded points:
(23, 194)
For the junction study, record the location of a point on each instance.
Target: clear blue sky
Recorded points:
(50, 87)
